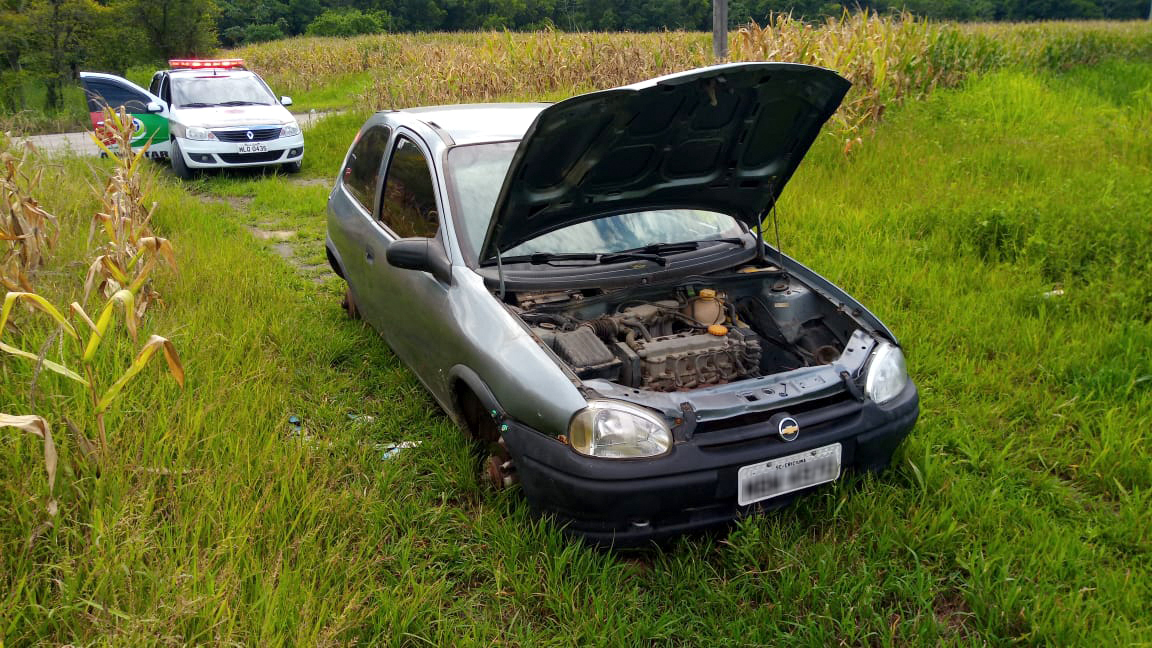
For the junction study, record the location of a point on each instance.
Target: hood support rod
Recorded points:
(500, 272)
(779, 248)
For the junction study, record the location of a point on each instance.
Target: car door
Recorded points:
(149, 126)
(352, 207)
(410, 308)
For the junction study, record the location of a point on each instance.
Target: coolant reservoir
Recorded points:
(707, 308)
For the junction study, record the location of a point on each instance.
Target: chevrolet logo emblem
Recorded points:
(788, 429)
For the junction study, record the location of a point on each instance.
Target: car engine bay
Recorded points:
(755, 322)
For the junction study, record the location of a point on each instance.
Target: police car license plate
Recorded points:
(252, 148)
(787, 474)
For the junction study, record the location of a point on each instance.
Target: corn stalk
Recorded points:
(26, 229)
(102, 397)
(129, 251)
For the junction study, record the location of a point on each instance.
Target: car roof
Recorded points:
(476, 123)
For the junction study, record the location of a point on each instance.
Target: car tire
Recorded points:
(292, 167)
(179, 166)
(349, 305)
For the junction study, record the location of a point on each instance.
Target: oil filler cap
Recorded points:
(718, 330)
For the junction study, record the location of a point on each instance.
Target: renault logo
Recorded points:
(788, 429)
(250, 135)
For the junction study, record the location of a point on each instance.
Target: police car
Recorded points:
(203, 114)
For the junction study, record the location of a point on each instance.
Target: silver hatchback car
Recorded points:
(585, 287)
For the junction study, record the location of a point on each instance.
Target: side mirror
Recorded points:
(285, 101)
(422, 254)
(154, 107)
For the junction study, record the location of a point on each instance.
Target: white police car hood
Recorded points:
(724, 138)
(232, 116)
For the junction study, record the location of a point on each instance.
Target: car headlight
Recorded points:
(290, 130)
(618, 430)
(197, 133)
(887, 374)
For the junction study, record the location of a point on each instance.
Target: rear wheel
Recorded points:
(179, 166)
(349, 304)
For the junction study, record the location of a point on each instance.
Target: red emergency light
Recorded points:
(206, 64)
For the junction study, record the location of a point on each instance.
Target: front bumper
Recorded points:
(211, 154)
(625, 503)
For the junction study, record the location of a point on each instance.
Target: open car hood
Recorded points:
(724, 138)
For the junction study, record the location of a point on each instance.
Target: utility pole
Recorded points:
(720, 29)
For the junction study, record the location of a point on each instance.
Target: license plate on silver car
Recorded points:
(252, 148)
(786, 474)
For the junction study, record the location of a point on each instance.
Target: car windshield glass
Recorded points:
(217, 90)
(476, 173)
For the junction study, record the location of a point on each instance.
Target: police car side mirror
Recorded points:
(154, 107)
(285, 101)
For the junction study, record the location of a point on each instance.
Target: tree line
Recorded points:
(48, 42)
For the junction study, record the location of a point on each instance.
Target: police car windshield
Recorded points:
(220, 90)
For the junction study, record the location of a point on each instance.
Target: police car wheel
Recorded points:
(291, 167)
(179, 167)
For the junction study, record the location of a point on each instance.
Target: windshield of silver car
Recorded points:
(476, 173)
(205, 91)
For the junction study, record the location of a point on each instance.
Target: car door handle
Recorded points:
(369, 255)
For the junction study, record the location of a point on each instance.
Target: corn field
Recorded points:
(887, 58)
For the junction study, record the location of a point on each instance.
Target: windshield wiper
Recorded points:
(654, 252)
(617, 257)
(197, 104)
(242, 103)
(660, 249)
(547, 258)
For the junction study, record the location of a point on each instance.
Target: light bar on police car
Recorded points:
(206, 64)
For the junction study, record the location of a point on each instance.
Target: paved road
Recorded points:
(82, 143)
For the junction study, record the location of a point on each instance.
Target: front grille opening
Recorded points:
(258, 135)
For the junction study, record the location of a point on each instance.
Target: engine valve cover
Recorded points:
(689, 360)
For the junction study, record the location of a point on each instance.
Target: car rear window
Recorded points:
(362, 171)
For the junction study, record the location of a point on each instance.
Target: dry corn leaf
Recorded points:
(36, 425)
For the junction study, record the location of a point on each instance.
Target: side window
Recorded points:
(165, 91)
(363, 168)
(409, 203)
(154, 87)
(115, 95)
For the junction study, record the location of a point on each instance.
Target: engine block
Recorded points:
(689, 360)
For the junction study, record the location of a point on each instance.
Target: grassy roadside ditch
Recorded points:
(1000, 229)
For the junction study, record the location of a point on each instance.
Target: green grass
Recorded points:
(1017, 512)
